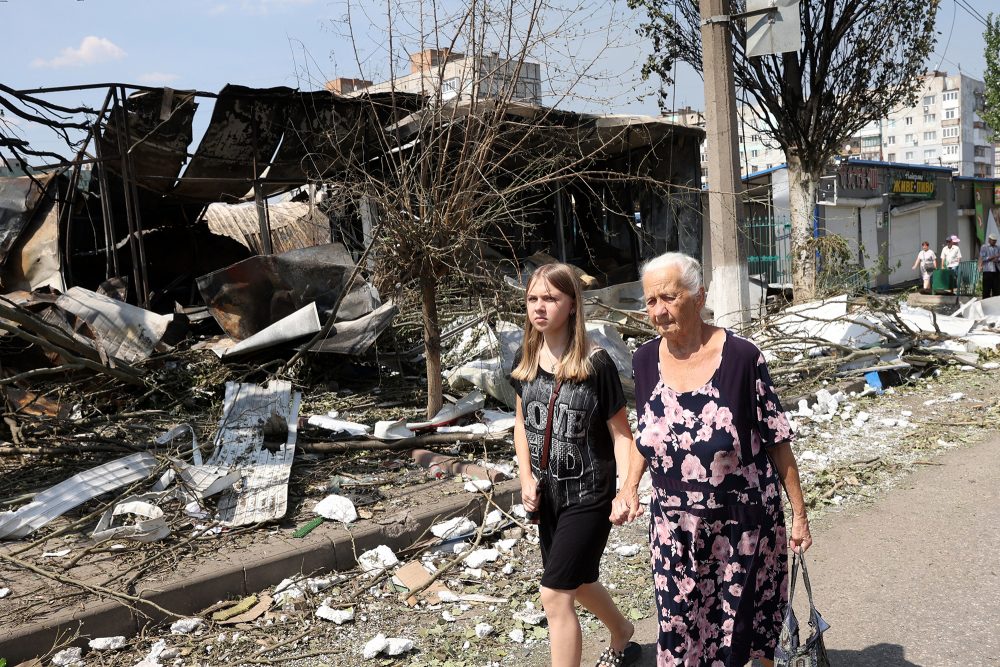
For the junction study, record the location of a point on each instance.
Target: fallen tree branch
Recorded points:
(131, 377)
(97, 589)
(392, 445)
(27, 375)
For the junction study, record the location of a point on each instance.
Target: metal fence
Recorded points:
(768, 242)
(968, 278)
(769, 247)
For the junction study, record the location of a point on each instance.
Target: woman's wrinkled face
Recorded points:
(672, 309)
(548, 309)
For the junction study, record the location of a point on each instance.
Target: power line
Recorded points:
(951, 30)
(971, 11)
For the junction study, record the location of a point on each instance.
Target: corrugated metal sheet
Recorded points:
(292, 226)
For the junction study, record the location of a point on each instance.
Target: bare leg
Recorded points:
(596, 599)
(565, 638)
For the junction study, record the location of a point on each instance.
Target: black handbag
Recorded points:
(790, 652)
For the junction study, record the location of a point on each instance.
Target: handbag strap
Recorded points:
(543, 463)
(797, 559)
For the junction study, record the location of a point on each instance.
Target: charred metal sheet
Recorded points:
(325, 133)
(303, 322)
(262, 494)
(159, 124)
(250, 295)
(322, 131)
(34, 261)
(354, 337)
(293, 225)
(19, 201)
(243, 134)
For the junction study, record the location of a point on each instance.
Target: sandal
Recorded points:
(627, 656)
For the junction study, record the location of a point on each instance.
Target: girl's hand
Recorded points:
(529, 495)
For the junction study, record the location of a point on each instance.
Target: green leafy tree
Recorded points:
(992, 75)
(859, 60)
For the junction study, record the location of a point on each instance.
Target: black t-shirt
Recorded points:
(581, 452)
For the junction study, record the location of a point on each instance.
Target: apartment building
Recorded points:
(457, 75)
(757, 151)
(942, 129)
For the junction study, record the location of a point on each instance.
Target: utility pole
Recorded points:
(729, 281)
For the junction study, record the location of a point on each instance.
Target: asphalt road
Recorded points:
(910, 580)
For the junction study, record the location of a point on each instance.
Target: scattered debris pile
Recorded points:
(844, 338)
(351, 447)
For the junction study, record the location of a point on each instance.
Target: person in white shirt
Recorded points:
(951, 254)
(926, 261)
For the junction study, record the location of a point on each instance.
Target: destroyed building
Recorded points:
(136, 206)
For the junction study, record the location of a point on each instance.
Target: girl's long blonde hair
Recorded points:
(574, 366)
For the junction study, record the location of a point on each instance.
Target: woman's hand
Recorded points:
(800, 539)
(529, 494)
(625, 508)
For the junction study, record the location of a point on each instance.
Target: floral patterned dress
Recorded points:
(717, 531)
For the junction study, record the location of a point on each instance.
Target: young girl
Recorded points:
(571, 389)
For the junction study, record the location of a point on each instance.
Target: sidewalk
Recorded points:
(912, 580)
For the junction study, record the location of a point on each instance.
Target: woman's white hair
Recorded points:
(688, 267)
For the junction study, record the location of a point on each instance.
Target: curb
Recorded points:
(230, 572)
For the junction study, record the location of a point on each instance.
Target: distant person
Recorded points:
(926, 261)
(951, 254)
(951, 258)
(989, 255)
(570, 423)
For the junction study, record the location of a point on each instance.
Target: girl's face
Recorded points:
(925, 246)
(548, 309)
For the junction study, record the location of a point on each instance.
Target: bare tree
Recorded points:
(859, 60)
(467, 154)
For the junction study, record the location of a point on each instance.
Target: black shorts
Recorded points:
(572, 541)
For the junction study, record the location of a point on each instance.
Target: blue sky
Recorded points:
(202, 45)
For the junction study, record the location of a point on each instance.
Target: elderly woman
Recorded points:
(716, 442)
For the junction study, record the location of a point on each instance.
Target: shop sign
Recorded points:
(912, 185)
(859, 180)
